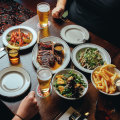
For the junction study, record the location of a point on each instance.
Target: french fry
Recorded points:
(107, 66)
(106, 86)
(106, 77)
(94, 78)
(100, 87)
(108, 73)
(103, 83)
(99, 83)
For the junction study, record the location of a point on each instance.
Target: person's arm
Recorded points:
(16, 118)
(28, 108)
(59, 9)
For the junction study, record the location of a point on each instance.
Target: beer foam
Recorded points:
(44, 74)
(43, 8)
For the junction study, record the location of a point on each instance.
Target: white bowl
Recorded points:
(113, 94)
(23, 29)
(66, 71)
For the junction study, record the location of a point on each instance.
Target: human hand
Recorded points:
(58, 11)
(28, 107)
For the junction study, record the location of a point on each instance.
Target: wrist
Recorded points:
(21, 118)
(60, 6)
(16, 118)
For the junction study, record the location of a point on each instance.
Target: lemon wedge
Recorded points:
(13, 47)
(13, 53)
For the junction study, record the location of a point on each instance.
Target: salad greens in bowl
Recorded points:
(90, 58)
(70, 84)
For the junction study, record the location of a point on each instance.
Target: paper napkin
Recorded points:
(67, 114)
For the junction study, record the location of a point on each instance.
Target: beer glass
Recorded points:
(14, 56)
(44, 79)
(43, 10)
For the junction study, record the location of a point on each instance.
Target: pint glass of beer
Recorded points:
(44, 78)
(43, 10)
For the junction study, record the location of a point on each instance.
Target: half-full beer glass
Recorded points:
(43, 10)
(13, 54)
(44, 78)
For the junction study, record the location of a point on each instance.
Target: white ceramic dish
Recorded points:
(24, 29)
(105, 55)
(14, 81)
(114, 94)
(74, 34)
(66, 71)
(55, 40)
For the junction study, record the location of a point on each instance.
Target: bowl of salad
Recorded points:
(19, 36)
(70, 84)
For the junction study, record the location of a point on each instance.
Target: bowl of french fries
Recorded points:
(104, 77)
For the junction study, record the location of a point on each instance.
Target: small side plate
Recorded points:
(74, 34)
(14, 81)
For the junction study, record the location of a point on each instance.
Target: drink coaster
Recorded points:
(40, 94)
(40, 27)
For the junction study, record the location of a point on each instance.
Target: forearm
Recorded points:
(61, 3)
(16, 118)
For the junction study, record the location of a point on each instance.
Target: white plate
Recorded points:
(74, 34)
(23, 29)
(55, 40)
(14, 81)
(105, 55)
(66, 71)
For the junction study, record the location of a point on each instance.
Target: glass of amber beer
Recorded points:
(14, 56)
(43, 10)
(44, 77)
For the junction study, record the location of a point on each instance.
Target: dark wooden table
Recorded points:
(53, 105)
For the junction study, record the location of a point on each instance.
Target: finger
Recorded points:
(37, 108)
(35, 101)
(53, 11)
(54, 14)
(31, 94)
(57, 14)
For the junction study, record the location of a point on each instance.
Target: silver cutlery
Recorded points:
(1, 49)
(2, 54)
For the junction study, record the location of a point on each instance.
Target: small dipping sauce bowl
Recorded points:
(58, 48)
(117, 83)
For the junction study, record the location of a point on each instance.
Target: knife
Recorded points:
(2, 54)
